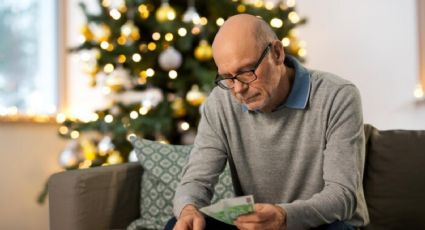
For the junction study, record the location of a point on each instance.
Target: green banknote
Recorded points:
(228, 210)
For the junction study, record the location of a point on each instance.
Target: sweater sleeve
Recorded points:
(342, 167)
(206, 162)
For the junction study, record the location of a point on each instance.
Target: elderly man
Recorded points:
(295, 136)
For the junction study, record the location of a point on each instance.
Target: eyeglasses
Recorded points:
(246, 77)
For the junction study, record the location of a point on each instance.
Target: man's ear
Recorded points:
(277, 51)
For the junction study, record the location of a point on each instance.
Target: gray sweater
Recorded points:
(308, 159)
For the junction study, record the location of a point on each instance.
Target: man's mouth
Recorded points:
(249, 99)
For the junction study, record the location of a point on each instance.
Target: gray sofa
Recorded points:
(108, 197)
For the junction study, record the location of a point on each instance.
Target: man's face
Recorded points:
(258, 94)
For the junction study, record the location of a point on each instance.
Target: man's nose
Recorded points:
(239, 86)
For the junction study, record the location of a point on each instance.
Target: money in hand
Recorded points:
(228, 210)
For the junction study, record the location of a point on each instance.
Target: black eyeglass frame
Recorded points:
(219, 78)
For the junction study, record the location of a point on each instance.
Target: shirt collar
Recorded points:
(298, 97)
(300, 92)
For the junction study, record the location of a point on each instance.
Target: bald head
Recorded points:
(244, 29)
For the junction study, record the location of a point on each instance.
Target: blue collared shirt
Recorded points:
(298, 97)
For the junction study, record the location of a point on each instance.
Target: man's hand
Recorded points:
(265, 217)
(190, 219)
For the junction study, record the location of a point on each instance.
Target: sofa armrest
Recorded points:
(95, 198)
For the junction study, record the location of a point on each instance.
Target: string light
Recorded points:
(94, 117)
(63, 130)
(302, 52)
(144, 110)
(184, 126)
(136, 57)
(156, 36)
(169, 37)
(109, 118)
(286, 42)
(115, 14)
(104, 45)
(134, 115)
(150, 72)
(276, 23)
(75, 134)
(219, 21)
(172, 74)
(108, 68)
(293, 17)
(203, 21)
(182, 32)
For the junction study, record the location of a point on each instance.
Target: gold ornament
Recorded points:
(178, 107)
(143, 11)
(89, 149)
(86, 32)
(115, 158)
(195, 97)
(204, 51)
(165, 13)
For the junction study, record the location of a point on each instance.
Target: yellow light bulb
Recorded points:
(151, 46)
(169, 37)
(121, 58)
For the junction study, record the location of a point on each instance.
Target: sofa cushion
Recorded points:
(163, 165)
(394, 178)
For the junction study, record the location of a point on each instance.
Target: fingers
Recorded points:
(266, 216)
(253, 217)
(190, 222)
(198, 224)
(180, 225)
(250, 226)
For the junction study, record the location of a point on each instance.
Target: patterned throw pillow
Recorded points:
(162, 167)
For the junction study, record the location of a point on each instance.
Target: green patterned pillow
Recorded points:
(162, 167)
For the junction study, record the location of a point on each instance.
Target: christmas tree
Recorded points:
(153, 61)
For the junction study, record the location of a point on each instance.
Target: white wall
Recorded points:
(29, 155)
(374, 44)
